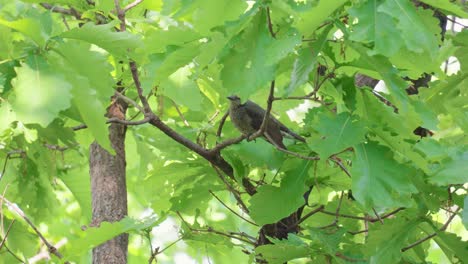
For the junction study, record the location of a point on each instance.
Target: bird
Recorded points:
(248, 118)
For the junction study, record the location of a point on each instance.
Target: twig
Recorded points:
(186, 123)
(221, 124)
(234, 212)
(297, 154)
(147, 109)
(378, 216)
(340, 255)
(128, 123)
(79, 127)
(227, 143)
(454, 21)
(50, 247)
(8, 157)
(337, 212)
(131, 5)
(270, 25)
(338, 162)
(358, 232)
(13, 254)
(266, 117)
(211, 230)
(309, 214)
(61, 10)
(128, 100)
(372, 220)
(232, 190)
(170, 245)
(6, 234)
(443, 228)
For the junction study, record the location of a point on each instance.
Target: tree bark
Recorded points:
(109, 194)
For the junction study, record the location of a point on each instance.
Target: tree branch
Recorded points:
(50, 247)
(270, 25)
(234, 212)
(131, 5)
(211, 230)
(61, 10)
(443, 228)
(6, 233)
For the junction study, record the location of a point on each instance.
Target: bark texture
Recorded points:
(109, 194)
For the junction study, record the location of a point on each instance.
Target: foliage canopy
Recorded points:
(61, 62)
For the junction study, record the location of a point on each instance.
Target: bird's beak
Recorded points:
(232, 97)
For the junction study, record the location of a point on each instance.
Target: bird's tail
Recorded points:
(289, 134)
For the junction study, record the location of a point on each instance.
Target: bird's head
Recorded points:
(235, 100)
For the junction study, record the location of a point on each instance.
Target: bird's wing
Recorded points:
(256, 114)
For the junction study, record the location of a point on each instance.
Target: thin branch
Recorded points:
(131, 5)
(443, 228)
(211, 230)
(266, 117)
(147, 109)
(171, 244)
(234, 212)
(337, 212)
(338, 162)
(50, 247)
(309, 214)
(231, 189)
(61, 10)
(372, 220)
(454, 21)
(221, 124)
(186, 123)
(13, 254)
(6, 234)
(129, 100)
(227, 143)
(311, 95)
(340, 255)
(378, 216)
(128, 123)
(297, 154)
(270, 25)
(79, 127)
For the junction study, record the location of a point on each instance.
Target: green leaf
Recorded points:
(272, 203)
(245, 67)
(448, 97)
(336, 133)
(378, 180)
(208, 15)
(451, 7)
(461, 42)
(283, 250)
(88, 71)
(182, 89)
(453, 246)
(452, 171)
(465, 212)
(41, 92)
(305, 62)
(310, 20)
(388, 74)
(29, 27)
(116, 43)
(419, 41)
(376, 27)
(95, 236)
(386, 241)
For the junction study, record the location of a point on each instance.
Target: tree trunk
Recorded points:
(109, 194)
